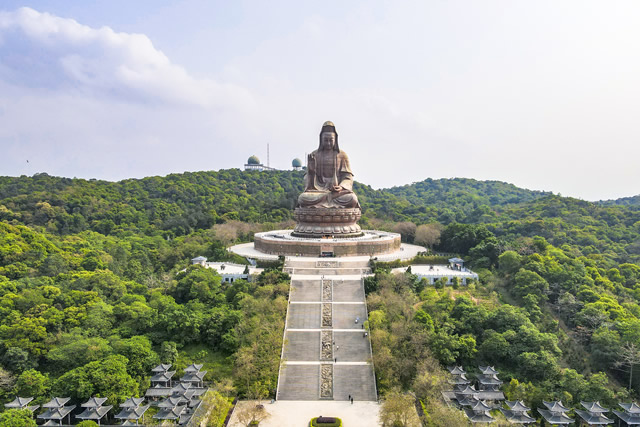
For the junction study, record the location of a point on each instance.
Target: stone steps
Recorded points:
(310, 271)
(300, 372)
(299, 382)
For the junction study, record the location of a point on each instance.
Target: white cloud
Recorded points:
(100, 62)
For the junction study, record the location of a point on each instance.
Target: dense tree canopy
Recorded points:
(96, 287)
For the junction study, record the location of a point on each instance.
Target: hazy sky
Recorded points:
(542, 94)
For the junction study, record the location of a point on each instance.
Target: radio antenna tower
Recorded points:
(268, 165)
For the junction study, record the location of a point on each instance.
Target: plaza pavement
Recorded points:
(291, 413)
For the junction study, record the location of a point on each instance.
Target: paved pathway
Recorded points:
(349, 357)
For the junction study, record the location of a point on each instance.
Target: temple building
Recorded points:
(594, 414)
(478, 412)
(193, 375)
(162, 376)
(21, 403)
(56, 411)
(488, 379)
(132, 410)
(631, 414)
(94, 410)
(517, 413)
(555, 413)
(458, 377)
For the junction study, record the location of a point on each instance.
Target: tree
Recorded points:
(7, 382)
(33, 383)
(406, 229)
(529, 282)
(168, 352)
(17, 418)
(141, 358)
(398, 410)
(428, 235)
(252, 412)
(509, 262)
(107, 378)
(628, 358)
(217, 404)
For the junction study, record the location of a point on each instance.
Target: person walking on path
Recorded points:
(352, 400)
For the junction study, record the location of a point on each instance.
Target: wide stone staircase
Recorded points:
(326, 354)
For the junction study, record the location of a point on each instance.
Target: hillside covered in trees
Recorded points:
(92, 281)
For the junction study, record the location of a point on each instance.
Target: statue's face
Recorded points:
(328, 140)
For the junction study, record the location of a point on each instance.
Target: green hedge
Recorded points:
(338, 423)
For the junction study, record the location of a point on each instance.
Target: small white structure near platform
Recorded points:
(436, 272)
(229, 271)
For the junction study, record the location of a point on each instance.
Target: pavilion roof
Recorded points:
(456, 370)
(555, 406)
(128, 423)
(517, 405)
(170, 414)
(456, 259)
(480, 406)
(193, 377)
(19, 402)
(184, 418)
(594, 418)
(467, 390)
(517, 417)
(56, 402)
(488, 370)
(162, 377)
(193, 368)
(631, 419)
(94, 413)
(132, 402)
(553, 417)
(172, 402)
(466, 400)
(56, 413)
(94, 402)
(52, 423)
(594, 407)
(631, 408)
(489, 380)
(461, 380)
(163, 367)
(180, 388)
(132, 413)
(478, 417)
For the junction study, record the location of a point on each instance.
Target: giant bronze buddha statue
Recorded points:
(328, 206)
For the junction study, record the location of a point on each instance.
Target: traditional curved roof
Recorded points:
(594, 407)
(517, 405)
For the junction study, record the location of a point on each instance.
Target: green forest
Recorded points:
(96, 287)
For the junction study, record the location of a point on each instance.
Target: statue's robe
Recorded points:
(326, 169)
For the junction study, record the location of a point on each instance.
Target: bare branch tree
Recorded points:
(628, 358)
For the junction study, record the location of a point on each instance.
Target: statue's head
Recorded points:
(329, 137)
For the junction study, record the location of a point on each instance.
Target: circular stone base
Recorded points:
(283, 242)
(327, 222)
